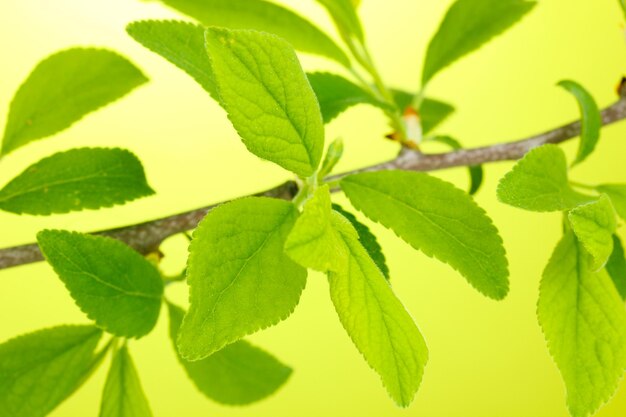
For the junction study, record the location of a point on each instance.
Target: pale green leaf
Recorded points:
(584, 322)
(62, 89)
(594, 224)
(617, 193)
(616, 266)
(111, 283)
(240, 279)
(333, 156)
(181, 43)
(238, 374)
(123, 395)
(591, 120)
(267, 97)
(85, 178)
(475, 171)
(431, 112)
(336, 94)
(376, 321)
(263, 16)
(40, 370)
(437, 218)
(343, 13)
(468, 25)
(538, 182)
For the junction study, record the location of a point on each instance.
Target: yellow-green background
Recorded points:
(487, 359)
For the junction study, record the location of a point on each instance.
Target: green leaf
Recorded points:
(123, 395)
(267, 97)
(538, 182)
(376, 321)
(476, 172)
(38, 371)
(432, 112)
(333, 156)
(343, 13)
(584, 322)
(336, 94)
(367, 239)
(238, 374)
(437, 218)
(617, 193)
(181, 43)
(85, 178)
(594, 224)
(468, 25)
(616, 267)
(111, 283)
(62, 89)
(591, 120)
(240, 279)
(265, 17)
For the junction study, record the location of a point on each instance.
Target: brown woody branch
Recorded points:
(147, 237)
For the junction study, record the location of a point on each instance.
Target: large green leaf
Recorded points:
(86, 178)
(617, 193)
(591, 120)
(343, 13)
(263, 16)
(436, 218)
(123, 395)
(239, 277)
(376, 321)
(594, 224)
(616, 266)
(62, 89)
(181, 43)
(267, 97)
(468, 25)
(538, 182)
(584, 322)
(111, 283)
(238, 374)
(40, 370)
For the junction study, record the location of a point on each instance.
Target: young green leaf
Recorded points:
(616, 266)
(594, 224)
(538, 182)
(584, 322)
(617, 193)
(376, 321)
(336, 94)
(239, 276)
(78, 179)
(62, 89)
(111, 283)
(343, 13)
(333, 155)
(591, 120)
(431, 112)
(267, 97)
(181, 43)
(367, 239)
(476, 172)
(123, 395)
(38, 371)
(468, 25)
(262, 16)
(238, 374)
(437, 218)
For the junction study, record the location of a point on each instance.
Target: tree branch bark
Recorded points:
(146, 237)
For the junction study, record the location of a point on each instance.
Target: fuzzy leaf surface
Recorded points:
(616, 266)
(617, 193)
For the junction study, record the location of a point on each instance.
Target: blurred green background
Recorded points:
(487, 359)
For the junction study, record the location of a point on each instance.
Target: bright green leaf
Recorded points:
(40, 370)
(123, 395)
(336, 94)
(617, 193)
(538, 182)
(584, 322)
(343, 13)
(181, 43)
(468, 25)
(85, 178)
(238, 374)
(111, 283)
(475, 171)
(267, 97)
(265, 17)
(377, 322)
(591, 120)
(437, 218)
(616, 267)
(62, 89)
(240, 279)
(432, 112)
(333, 155)
(594, 224)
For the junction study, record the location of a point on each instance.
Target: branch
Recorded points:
(147, 237)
